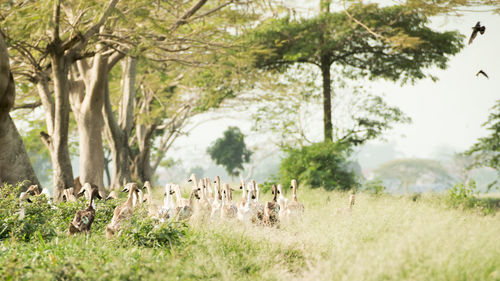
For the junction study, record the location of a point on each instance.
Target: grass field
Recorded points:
(384, 238)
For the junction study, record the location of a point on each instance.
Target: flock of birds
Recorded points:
(207, 199)
(475, 30)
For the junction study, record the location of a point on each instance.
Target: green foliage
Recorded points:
(486, 151)
(377, 230)
(36, 222)
(42, 219)
(374, 187)
(405, 47)
(466, 196)
(142, 230)
(452, 7)
(65, 212)
(461, 194)
(318, 165)
(230, 151)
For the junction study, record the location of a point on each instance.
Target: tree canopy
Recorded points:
(395, 43)
(230, 151)
(486, 151)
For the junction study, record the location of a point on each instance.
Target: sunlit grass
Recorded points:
(384, 238)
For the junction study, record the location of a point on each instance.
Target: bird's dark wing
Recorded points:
(473, 35)
(483, 73)
(482, 29)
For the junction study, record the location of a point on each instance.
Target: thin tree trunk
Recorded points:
(327, 102)
(141, 166)
(15, 165)
(324, 6)
(117, 134)
(58, 140)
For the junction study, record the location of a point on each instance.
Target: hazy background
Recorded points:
(447, 115)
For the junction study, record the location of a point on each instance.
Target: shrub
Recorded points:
(65, 212)
(142, 230)
(374, 187)
(321, 164)
(465, 196)
(41, 219)
(36, 222)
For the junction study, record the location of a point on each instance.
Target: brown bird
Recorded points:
(483, 73)
(82, 222)
(475, 29)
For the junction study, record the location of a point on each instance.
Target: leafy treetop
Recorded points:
(230, 151)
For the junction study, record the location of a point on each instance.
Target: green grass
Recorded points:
(384, 238)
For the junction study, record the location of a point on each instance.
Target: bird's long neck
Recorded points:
(178, 196)
(130, 199)
(192, 196)
(148, 189)
(243, 195)
(91, 202)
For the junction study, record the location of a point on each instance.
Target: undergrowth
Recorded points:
(385, 237)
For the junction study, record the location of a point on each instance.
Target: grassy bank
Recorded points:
(384, 238)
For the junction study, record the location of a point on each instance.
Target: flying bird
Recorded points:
(475, 29)
(483, 73)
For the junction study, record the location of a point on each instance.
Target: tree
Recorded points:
(46, 50)
(289, 107)
(486, 151)
(321, 164)
(70, 65)
(409, 171)
(393, 43)
(15, 165)
(230, 151)
(453, 7)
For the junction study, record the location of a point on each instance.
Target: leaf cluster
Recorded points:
(486, 151)
(322, 164)
(230, 151)
(405, 46)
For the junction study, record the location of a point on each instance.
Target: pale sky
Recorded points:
(446, 113)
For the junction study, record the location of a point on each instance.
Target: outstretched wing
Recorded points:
(473, 35)
(483, 73)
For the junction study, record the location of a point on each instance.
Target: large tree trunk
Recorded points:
(57, 141)
(90, 123)
(118, 133)
(14, 161)
(327, 102)
(89, 114)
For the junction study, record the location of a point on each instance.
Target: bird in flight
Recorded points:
(475, 29)
(483, 73)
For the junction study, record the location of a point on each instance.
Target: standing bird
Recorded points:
(84, 218)
(475, 29)
(483, 73)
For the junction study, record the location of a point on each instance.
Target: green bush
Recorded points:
(322, 164)
(65, 212)
(41, 219)
(465, 196)
(142, 230)
(374, 187)
(36, 222)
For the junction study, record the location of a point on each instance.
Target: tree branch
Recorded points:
(31, 105)
(77, 38)
(183, 19)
